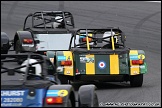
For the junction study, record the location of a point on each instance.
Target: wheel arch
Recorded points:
(71, 94)
(20, 35)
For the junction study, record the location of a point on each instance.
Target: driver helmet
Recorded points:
(108, 34)
(38, 69)
(58, 22)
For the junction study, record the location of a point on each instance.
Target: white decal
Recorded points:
(29, 45)
(12, 93)
(12, 100)
(68, 72)
(137, 66)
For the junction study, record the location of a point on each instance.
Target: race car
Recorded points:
(100, 55)
(39, 32)
(34, 84)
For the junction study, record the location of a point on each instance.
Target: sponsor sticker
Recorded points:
(13, 93)
(142, 66)
(86, 59)
(134, 57)
(29, 45)
(61, 58)
(62, 93)
(141, 56)
(102, 65)
(55, 93)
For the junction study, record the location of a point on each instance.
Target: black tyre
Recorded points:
(136, 80)
(63, 79)
(95, 102)
(87, 97)
(17, 51)
(69, 104)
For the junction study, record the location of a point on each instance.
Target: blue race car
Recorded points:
(34, 83)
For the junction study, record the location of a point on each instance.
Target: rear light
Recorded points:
(45, 53)
(89, 39)
(27, 41)
(77, 71)
(54, 100)
(137, 62)
(66, 63)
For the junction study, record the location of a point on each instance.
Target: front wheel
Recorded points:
(136, 80)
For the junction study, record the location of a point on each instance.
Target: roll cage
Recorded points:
(42, 60)
(97, 38)
(44, 19)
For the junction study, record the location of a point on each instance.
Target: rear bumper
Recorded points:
(104, 78)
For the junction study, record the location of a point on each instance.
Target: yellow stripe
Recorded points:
(88, 47)
(68, 70)
(90, 67)
(112, 39)
(134, 69)
(114, 64)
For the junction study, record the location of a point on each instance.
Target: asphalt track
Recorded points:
(140, 20)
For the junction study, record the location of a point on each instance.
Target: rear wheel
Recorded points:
(93, 104)
(87, 97)
(69, 104)
(17, 51)
(96, 104)
(136, 80)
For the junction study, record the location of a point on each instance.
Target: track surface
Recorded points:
(141, 22)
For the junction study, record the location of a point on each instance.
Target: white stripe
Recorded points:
(154, 1)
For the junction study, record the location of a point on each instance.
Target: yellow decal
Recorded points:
(88, 47)
(90, 34)
(141, 56)
(114, 64)
(62, 93)
(90, 66)
(68, 70)
(113, 48)
(134, 69)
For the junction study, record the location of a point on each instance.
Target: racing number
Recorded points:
(11, 99)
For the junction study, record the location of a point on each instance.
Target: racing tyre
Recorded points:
(87, 97)
(136, 80)
(69, 104)
(17, 51)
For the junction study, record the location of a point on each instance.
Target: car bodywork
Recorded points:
(100, 54)
(23, 88)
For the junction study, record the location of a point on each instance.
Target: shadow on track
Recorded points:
(103, 85)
